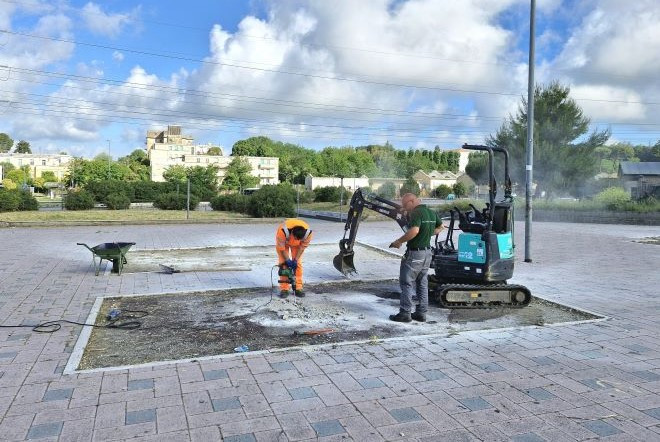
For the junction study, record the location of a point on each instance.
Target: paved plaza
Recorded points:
(565, 382)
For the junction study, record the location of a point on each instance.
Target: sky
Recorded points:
(84, 77)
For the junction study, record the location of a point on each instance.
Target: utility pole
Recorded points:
(529, 167)
(188, 201)
(109, 158)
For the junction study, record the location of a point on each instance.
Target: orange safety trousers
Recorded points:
(293, 245)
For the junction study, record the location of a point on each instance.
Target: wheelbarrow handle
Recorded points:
(83, 244)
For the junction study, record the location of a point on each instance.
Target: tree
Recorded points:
(215, 151)
(18, 176)
(239, 175)
(6, 167)
(254, 147)
(6, 143)
(101, 168)
(477, 167)
(387, 190)
(561, 163)
(23, 147)
(138, 164)
(175, 174)
(459, 190)
(442, 191)
(49, 176)
(8, 184)
(410, 186)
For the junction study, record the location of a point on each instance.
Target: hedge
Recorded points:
(118, 201)
(10, 200)
(231, 203)
(174, 201)
(78, 200)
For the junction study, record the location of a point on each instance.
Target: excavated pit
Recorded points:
(192, 325)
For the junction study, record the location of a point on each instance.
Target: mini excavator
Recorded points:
(474, 274)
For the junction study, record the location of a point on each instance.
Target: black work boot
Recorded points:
(401, 317)
(284, 294)
(419, 316)
(300, 293)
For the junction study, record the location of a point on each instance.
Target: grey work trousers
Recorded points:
(413, 278)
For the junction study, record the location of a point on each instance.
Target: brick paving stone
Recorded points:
(58, 394)
(601, 428)
(212, 375)
(224, 404)
(540, 394)
(328, 428)
(282, 366)
(475, 403)
(40, 431)
(527, 437)
(653, 412)
(405, 415)
(140, 416)
(140, 384)
(491, 367)
(371, 383)
(302, 393)
(241, 438)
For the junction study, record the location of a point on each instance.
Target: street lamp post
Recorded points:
(109, 158)
(529, 167)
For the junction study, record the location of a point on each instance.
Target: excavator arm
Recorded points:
(344, 260)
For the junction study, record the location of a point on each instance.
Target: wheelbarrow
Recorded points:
(110, 251)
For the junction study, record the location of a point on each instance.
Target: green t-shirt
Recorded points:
(427, 220)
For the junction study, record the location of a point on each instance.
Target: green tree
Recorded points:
(410, 186)
(459, 190)
(561, 163)
(49, 176)
(19, 176)
(6, 143)
(215, 151)
(442, 191)
(138, 164)
(477, 167)
(82, 171)
(239, 175)
(387, 190)
(6, 167)
(175, 174)
(8, 184)
(23, 147)
(253, 147)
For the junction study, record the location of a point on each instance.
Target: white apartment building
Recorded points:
(171, 147)
(39, 163)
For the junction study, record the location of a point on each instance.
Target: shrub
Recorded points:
(614, 198)
(101, 190)
(8, 184)
(410, 186)
(118, 201)
(328, 194)
(172, 201)
(78, 200)
(387, 190)
(306, 196)
(28, 202)
(459, 190)
(10, 200)
(442, 191)
(147, 191)
(273, 201)
(231, 203)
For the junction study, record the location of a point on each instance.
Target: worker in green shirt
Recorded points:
(415, 263)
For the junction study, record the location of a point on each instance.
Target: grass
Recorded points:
(114, 215)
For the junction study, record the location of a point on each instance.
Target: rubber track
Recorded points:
(443, 288)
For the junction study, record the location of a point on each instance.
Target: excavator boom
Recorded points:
(344, 259)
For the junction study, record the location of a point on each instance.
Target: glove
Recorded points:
(291, 263)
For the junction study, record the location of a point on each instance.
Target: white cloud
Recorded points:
(106, 23)
(118, 56)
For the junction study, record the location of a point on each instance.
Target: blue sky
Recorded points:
(414, 72)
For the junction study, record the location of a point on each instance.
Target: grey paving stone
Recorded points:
(653, 412)
(8, 355)
(647, 375)
(52, 429)
(224, 404)
(491, 367)
(527, 437)
(637, 348)
(601, 428)
(140, 416)
(302, 393)
(543, 360)
(211, 375)
(594, 384)
(328, 428)
(342, 359)
(282, 366)
(433, 375)
(17, 337)
(140, 384)
(371, 383)
(241, 438)
(58, 394)
(475, 403)
(406, 415)
(540, 394)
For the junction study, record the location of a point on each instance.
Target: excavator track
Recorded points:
(482, 296)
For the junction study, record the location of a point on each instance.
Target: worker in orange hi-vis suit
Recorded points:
(292, 238)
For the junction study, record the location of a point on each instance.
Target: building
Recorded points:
(170, 148)
(463, 159)
(350, 183)
(39, 163)
(430, 181)
(640, 179)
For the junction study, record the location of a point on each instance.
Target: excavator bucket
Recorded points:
(344, 262)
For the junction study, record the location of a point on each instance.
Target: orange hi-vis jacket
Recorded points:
(284, 240)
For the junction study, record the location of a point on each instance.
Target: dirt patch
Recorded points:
(214, 259)
(199, 324)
